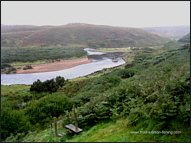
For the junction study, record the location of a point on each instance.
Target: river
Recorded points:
(99, 61)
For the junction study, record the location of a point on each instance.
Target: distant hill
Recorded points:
(20, 28)
(185, 39)
(170, 31)
(78, 34)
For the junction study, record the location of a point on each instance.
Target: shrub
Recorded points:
(4, 65)
(48, 85)
(41, 111)
(125, 73)
(141, 56)
(14, 119)
(102, 111)
(27, 67)
(158, 61)
(60, 81)
(7, 71)
(129, 65)
(10, 69)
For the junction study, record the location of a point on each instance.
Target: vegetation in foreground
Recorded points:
(139, 98)
(107, 131)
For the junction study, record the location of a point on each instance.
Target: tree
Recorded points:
(48, 86)
(60, 81)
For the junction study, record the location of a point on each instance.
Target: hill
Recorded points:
(185, 39)
(174, 32)
(78, 33)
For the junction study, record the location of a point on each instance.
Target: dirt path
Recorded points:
(56, 66)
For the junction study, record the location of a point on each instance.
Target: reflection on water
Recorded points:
(90, 52)
(99, 60)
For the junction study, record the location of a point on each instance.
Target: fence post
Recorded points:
(55, 126)
(76, 122)
(50, 127)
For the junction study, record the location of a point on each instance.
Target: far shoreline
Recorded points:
(55, 66)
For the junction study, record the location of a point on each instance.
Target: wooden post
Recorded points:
(55, 126)
(76, 122)
(50, 127)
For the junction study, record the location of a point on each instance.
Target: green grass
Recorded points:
(119, 132)
(127, 49)
(94, 75)
(29, 63)
(105, 49)
(107, 131)
(40, 135)
(40, 62)
(13, 88)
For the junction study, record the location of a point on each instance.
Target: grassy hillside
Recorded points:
(15, 35)
(107, 131)
(5, 89)
(21, 28)
(83, 34)
(185, 39)
(174, 32)
(151, 93)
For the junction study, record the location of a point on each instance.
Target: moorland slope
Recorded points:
(174, 32)
(78, 33)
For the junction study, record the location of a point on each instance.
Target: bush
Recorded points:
(5, 65)
(60, 81)
(123, 73)
(7, 71)
(48, 85)
(14, 119)
(158, 61)
(141, 56)
(129, 65)
(10, 69)
(41, 111)
(27, 67)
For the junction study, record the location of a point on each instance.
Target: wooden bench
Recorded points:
(61, 134)
(73, 128)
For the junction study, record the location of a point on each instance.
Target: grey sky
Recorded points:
(114, 13)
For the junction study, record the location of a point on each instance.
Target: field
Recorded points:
(13, 88)
(128, 49)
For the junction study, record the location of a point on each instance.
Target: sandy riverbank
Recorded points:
(56, 66)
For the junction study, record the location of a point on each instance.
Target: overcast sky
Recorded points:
(114, 13)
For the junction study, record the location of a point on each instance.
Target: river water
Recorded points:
(99, 61)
